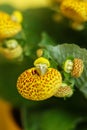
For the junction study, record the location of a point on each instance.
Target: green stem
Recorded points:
(24, 118)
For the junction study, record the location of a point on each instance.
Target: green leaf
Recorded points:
(58, 119)
(61, 52)
(52, 119)
(9, 9)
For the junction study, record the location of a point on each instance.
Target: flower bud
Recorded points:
(12, 50)
(77, 26)
(68, 65)
(78, 67)
(39, 52)
(64, 91)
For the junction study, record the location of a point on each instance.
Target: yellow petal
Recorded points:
(41, 60)
(17, 16)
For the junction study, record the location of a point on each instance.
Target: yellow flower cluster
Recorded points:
(42, 82)
(10, 25)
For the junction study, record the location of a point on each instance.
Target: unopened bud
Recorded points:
(39, 52)
(68, 65)
(12, 50)
(78, 67)
(64, 91)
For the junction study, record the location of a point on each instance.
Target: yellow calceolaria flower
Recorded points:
(8, 27)
(33, 86)
(64, 91)
(75, 10)
(12, 50)
(75, 67)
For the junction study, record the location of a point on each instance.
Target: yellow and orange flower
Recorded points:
(35, 85)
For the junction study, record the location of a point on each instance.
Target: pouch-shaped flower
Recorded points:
(75, 10)
(8, 27)
(36, 86)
